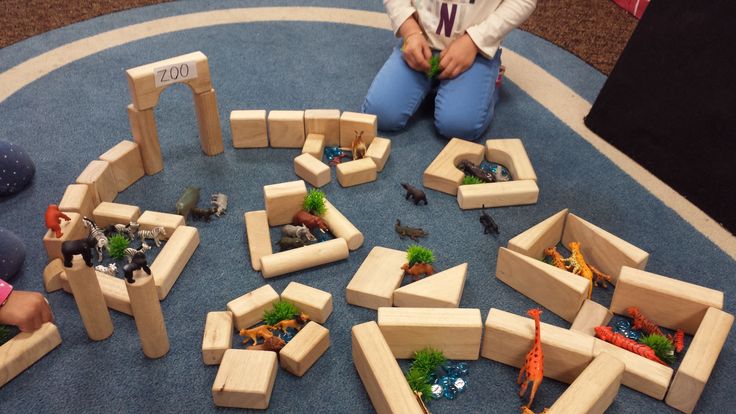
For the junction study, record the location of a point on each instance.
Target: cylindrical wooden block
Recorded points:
(342, 227)
(210, 133)
(148, 316)
(278, 264)
(145, 134)
(90, 301)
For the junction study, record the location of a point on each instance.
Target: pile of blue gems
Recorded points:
(336, 155)
(450, 380)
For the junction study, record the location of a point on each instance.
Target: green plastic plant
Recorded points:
(314, 202)
(281, 311)
(418, 382)
(471, 179)
(425, 363)
(434, 66)
(418, 254)
(663, 348)
(116, 245)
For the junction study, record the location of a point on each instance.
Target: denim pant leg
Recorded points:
(464, 105)
(396, 93)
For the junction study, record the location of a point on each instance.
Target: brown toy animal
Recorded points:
(296, 323)
(309, 220)
(418, 269)
(273, 343)
(264, 331)
(358, 146)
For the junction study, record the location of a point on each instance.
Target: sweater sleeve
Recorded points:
(398, 11)
(488, 34)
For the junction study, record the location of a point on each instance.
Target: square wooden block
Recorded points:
(106, 214)
(591, 314)
(249, 129)
(375, 281)
(314, 302)
(350, 122)
(286, 129)
(71, 230)
(78, 198)
(248, 309)
(172, 258)
(305, 349)
(126, 163)
(150, 219)
(312, 170)
(325, 122)
(23, 350)
(218, 336)
(379, 151)
(283, 201)
(442, 174)
(356, 172)
(232, 388)
(259, 237)
(314, 145)
(98, 175)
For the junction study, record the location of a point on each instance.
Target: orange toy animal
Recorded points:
(264, 331)
(576, 263)
(526, 410)
(533, 369)
(53, 219)
(553, 257)
(641, 323)
(273, 343)
(296, 323)
(606, 333)
(358, 146)
(418, 269)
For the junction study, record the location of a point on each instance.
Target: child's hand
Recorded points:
(417, 52)
(457, 57)
(26, 310)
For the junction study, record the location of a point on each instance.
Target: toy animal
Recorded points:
(138, 261)
(69, 248)
(417, 270)
(309, 220)
(489, 226)
(414, 193)
(53, 219)
(606, 333)
(641, 323)
(187, 201)
(411, 232)
(533, 369)
(296, 323)
(358, 146)
(288, 243)
(553, 257)
(98, 234)
(130, 229)
(130, 252)
(471, 169)
(577, 264)
(111, 269)
(526, 410)
(679, 340)
(263, 331)
(155, 234)
(202, 213)
(219, 202)
(300, 232)
(273, 343)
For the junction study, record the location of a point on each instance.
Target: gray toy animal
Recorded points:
(288, 243)
(300, 232)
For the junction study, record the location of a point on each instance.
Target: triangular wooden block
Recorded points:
(548, 233)
(441, 290)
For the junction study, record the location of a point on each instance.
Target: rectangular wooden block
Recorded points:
(98, 175)
(672, 303)
(533, 241)
(340, 226)
(248, 128)
(591, 314)
(350, 122)
(699, 361)
(303, 258)
(248, 309)
(312, 170)
(286, 129)
(71, 230)
(208, 120)
(283, 201)
(106, 214)
(314, 302)
(150, 219)
(381, 375)
(325, 122)
(126, 163)
(113, 290)
(408, 330)
(640, 374)
(172, 258)
(305, 349)
(375, 281)
(314, 144)
(23, 350)
(510, 153)
(259, 237)
(234, 389)
(145, 133)
(559, 291)
(509, 193)
(594, 390)
(218, 336)
(78, 198)
(508, 338)
(52, 275)
(442, 174)
(379, 151)
(356, 172)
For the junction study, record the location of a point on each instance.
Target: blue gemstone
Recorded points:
(437, 391)
(286, 336)
(450, 392)
(500, 173)
(624, 328)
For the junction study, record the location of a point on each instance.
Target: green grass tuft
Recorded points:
(471, 179)
(419, 383)
(116, 245)
(419, 254)
(314, 202)
(434, 66)
(426, 361)
(663, 348)
(281, 311)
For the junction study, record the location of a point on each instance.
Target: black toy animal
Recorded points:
(288, 243)
(471, 169)
(489, 225)
(84, 247)
(202, 213)
(138, 261)
(414, 193)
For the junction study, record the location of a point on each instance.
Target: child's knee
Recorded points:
(389, 119)
(463, 126)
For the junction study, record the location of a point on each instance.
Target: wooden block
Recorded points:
(546, 234)
(509, 193)
(283, 201)
(126, 163)
(208, 120)
(341, 227)
(381, 375)
(558, 290)
(601, 248)
(150, 219)
(303, 258)
(90, 302)
(233, 389)
(98, 175)
(699, 360)
(115, 293)
(106, 214)
(671, 303)
(312, 170)
(78, 198)
(442, 174)
(148, 317)
(408, 330)
(594, 390)
(314, 145)
(72, 230)
(356, 172)
(172, 258)
(259, 237)
(441, 290)
(248, 128)
(591, 314)
(23, 350)
(286, 129)
(374, 283)
(145, 133)
(248, 309)
(379, 151)
(218, 336)
(511, 154)
(305, 349)
(640, 374)
(354, 121)
(52, 275)
(325, 122)
(314, 302)
(508, 338)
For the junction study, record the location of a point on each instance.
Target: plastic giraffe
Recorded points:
(533, 369)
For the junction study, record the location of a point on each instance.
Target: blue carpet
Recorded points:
(74, 114)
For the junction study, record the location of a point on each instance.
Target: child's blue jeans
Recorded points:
(463, 106)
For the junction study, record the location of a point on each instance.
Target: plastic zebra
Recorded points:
(130, 252)
(98, 234)
(111, 269)
(155, 234)
(219, 202)
(130, 229)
